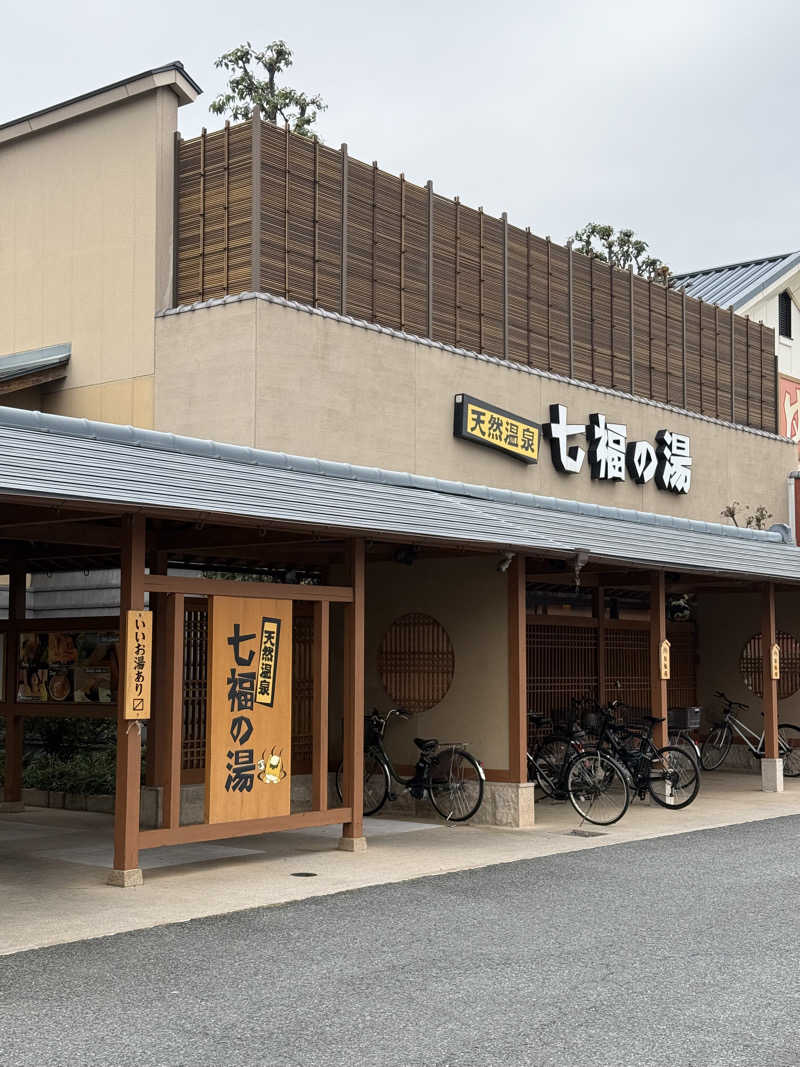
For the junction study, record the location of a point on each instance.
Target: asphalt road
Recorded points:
(677, 952)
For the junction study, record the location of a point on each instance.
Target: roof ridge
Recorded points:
(155, 440)
(735, 266)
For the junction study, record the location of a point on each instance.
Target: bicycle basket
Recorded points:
(593, 721)
(684, 718)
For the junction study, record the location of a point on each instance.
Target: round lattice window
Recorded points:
(751, 666)
(416, 662)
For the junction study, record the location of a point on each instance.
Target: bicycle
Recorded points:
(593, 782)
(679, 722)
(452, 778)
(547, 765)
(669, 774)
(717, 745)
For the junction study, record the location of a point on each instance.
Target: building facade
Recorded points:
(497, 464)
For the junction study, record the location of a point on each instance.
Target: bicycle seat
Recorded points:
(650, 718)
(426, 744)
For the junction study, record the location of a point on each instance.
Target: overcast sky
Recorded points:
(677, 119)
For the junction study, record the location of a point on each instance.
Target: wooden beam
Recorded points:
(770, 699)
(31, 379)
(517, 672)
(353, 772)
(129, 732)
(319, 723)
(63, 533)
(658, 634)
(245, 828)
(157, 583)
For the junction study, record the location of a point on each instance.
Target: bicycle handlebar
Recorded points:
(731, 703)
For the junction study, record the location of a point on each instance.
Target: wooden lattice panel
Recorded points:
(751, 665)
(416, 662)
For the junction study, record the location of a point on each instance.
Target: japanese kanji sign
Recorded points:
(664, 660)
(249, 729)
(138, 663)
(478, 421)
(775, 661)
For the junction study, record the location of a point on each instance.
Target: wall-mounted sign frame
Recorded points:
(486, 424)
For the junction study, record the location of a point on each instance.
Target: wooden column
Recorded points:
(15, 724)
(517, 672)
(129, 732)
(159, 713)
(169, 685)
(599, 612)
(319, 722)
(658, 634)
(353, 776)
(768, 639)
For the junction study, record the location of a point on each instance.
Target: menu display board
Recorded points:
(68, 667)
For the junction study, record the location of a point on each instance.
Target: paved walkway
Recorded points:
(676, 950)
(53, 864)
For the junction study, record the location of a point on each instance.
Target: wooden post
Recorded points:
(353, 772)
(429, 187)
(683, 348)
(169, 684)
(319, 724)
(599, 611)
(154, 771)
(631, 330)
(129, 732)
(517, 672)
(505, 285)
(343, 276)
(658, 634)
(768, 639)
(15, 724)
(255, 201)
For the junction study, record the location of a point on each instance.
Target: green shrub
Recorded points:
(88, 773)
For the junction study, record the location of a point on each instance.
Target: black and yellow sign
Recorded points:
(268, 661)
(478, 421)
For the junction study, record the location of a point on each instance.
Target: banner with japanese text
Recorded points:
(249, 724)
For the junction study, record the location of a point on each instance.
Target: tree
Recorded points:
(621, 248)
(756, 521)
(247, 90)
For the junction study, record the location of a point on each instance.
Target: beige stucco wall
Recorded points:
(725, 622)
(269, 376)
(85, 251)
(469, 598)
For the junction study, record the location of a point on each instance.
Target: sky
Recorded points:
(675, 119)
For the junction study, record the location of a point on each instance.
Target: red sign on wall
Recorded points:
(789, 407)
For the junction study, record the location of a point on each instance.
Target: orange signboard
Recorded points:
(249, 730)
(789, 407)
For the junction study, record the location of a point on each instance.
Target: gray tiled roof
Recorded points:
(19, 364)
(59, 458)
(738, 283)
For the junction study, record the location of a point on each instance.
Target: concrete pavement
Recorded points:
(674, 950)
(53, 864)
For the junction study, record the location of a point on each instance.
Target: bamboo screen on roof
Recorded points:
(335, 233)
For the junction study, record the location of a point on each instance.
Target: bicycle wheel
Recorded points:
(682, 740)
(376, 783)
(715, 748)
(455, 784)
(789, 748)
(674, 778)
(597, 788)
(548, 765)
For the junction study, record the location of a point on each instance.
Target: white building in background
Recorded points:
(766, 290)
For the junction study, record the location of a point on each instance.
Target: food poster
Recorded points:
(68, 667)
